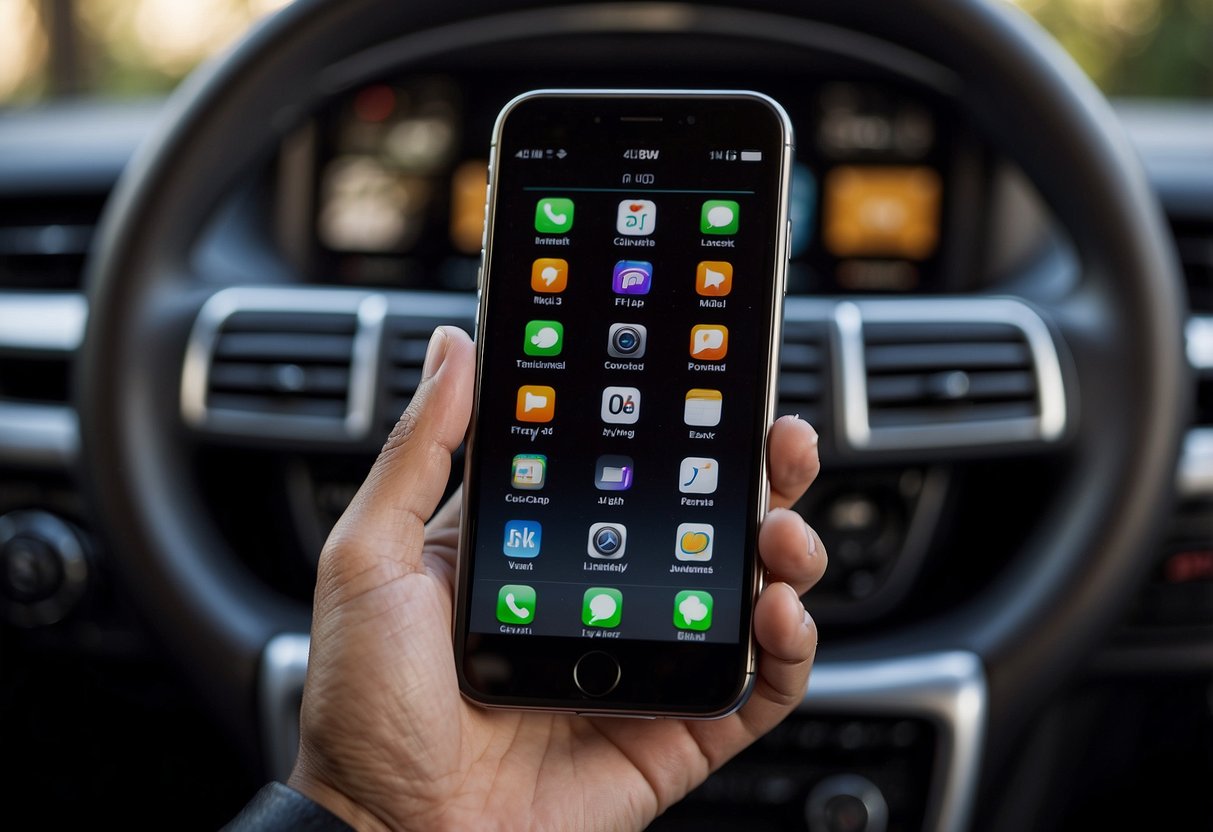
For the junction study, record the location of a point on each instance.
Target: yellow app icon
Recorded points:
(709, 342)
(714, 278)
(702, 408)
(549, 275)
(536, 403)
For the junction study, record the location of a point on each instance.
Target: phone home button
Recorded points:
(596, 673)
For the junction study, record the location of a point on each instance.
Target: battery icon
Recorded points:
(751, 155)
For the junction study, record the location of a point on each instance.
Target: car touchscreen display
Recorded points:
(633, 266)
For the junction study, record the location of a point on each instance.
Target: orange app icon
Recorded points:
(709, 342)
(549, 275)
(536, 403)
(714, 278)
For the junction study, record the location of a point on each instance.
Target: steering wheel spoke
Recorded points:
(308, 367)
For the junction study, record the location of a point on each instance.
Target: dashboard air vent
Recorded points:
(43, 240)
(1194, 241)
(938, 373)
(283, 364)
(801, 371)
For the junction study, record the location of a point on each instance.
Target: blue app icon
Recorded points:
(522, 538)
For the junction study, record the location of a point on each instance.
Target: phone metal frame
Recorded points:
(779, 290)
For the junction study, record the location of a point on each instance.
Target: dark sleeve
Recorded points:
(278, 807)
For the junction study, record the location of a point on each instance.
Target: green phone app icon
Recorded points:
(553, 215)
(693, 610)
(719, 216)
(543, 338)
(601, 607)
(516, 604)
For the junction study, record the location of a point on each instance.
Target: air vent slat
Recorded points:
(311, 323)
(800, 356)
(280, 407)
(951, 385)
(964, 413)
(800, 387)
(916, 333)
(283, 378)
(960, 356)
(279, 346)
(802, 366)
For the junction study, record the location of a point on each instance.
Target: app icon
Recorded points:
(601, 607)
(636, 218)
(543, 338)
(516, 604)
(714, 278)
(693, 610)
(632, 277)
(549, 275)
(719, 216)
(702, 408)
(698, 475)
(523, 538)
(608, 541)
(529, 472)
(553, 215)
(627, 340)
(694, 541)
(536, 403)
(613, 472)
(709, 342)
(620, 405)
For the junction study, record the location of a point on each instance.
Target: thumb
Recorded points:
(389, 512)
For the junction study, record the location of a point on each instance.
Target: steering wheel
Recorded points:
(981, 668)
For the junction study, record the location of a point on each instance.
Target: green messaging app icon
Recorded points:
(601, 607)
(553, 215)
(543, 338)
(516, 604)
(719, 216)
(693, 610)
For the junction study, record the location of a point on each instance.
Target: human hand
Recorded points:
(387, 741)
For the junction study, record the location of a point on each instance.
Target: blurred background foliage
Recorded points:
(50, 48)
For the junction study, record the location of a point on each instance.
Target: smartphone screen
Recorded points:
(630, 306)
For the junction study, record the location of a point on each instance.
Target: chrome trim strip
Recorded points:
(1199, 332)
(42, 321)
(38, 435)
(849, 318)
(947, 688)
(280, 692)
(1195, 475)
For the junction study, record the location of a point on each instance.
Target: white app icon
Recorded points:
(698, 475)
(636, 217)
(620, 405)
(702, 408)
(694, 541)
(712, 279)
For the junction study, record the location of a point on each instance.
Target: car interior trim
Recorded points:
(42, 321)
(38, 435)
(850, 316)
(1195, 475)
(949, 688)
(1199, 332)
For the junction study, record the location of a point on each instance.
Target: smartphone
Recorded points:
(628, 331)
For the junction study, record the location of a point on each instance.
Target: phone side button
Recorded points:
(596, 673)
